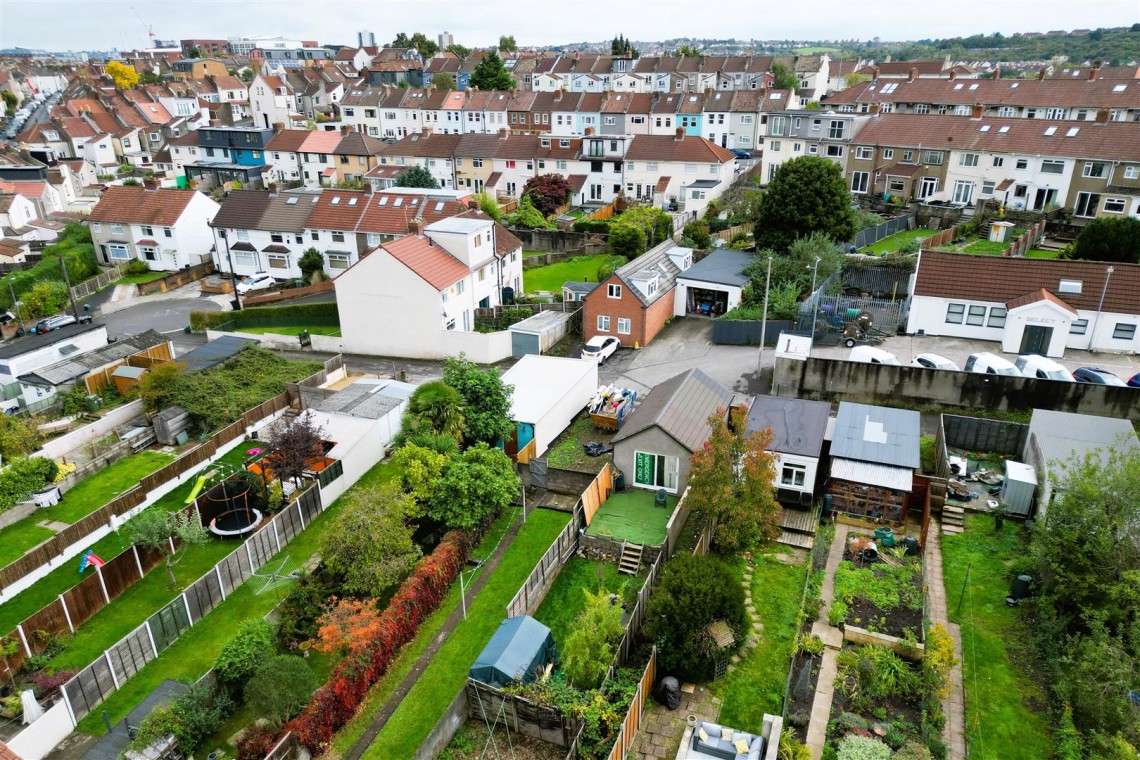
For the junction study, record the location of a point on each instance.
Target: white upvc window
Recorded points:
(603, 323)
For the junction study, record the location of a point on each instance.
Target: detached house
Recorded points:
(635, 301)
(168, 229)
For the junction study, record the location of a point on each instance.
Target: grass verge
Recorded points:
(551, 278)
(757, 684)
(445, 675)
(1004, 713)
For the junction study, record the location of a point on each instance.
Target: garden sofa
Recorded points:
(717, 746)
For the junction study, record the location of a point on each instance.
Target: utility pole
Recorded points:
(70, 294)
(15, 303)
(764, 320)
(815, 305)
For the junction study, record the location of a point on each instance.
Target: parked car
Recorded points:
(600, 347)
(741, 153)
(990, 364)
(935, 361)
(58, 321)
(1042, 368)
(1097, 376)
(872, 355)
(259, 281)
(1134, 381)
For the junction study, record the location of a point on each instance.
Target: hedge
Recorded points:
(298, 313)
(335, 703)
(593, 225)
(75, 246)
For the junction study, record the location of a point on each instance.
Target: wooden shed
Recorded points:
(125, 377)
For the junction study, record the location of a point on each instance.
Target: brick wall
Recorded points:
(645, 322)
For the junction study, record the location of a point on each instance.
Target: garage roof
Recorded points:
(1063, 437)
(540, 382)
(798, 426)
(723, 267)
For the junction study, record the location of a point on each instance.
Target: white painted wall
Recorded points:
(1041, 314)
(681, 294)
(810, 463)
(42, 736)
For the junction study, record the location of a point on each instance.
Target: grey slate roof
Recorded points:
(21, 346)
(257, 210)
(80, 365)
(798, 426)
(656, 261)
(214, 353)
(369, 401)
(877, 434)
(576, 286)
(723, 267)
(681, 406)
(1064, 437)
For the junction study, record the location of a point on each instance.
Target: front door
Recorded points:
(1035, 339)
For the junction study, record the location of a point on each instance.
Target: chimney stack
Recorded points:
(425, 133)
(415, 226)
(1102, 116)
(876, 109)
(680, 134)
(912, 74)
(977, 111)
(953, 75)
(1041, 75)
(279, 126)
(874, 72)
(1094, 72)
(996, 74)
(504, 133)
(345, 129)
(589, 131)
(150, 183)
(558, 94)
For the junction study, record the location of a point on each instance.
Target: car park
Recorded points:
(872, 355)
(990, 364)
(600, 347)
(1042, 368)
(259, 281)
(1097, 376)
(935, 361)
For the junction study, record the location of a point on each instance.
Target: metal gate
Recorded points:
(538, 473)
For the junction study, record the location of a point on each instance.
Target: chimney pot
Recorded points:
(680, 133)
(345, 129)
(912, 74)
(876, 109)
(1094, 71)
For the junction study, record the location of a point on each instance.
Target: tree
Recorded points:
(627, 240)
(488, 205)
(620, 46)
(1106, 239)
(370, 544)
(420, 468)
(294, 446)
(589, 648)
(246, 75)
(486, 400)
(693, 592)
(443, 81)
(347, 626)
(195, 52)
(310, 263)
(425, 46)
(19, 435)
(507, 43)
(240, 655)
(474, 486)
(157, 385)
(417, 176)
(782, 78)
(698, 231)
(199, 711)
(688, 51)
(547, 191)
(10, 101)
(528, 217)
(43, 299)
(125, 77)
(153, 528)
(807, 194)
(460, 50)
(435, 408)
(855, 79)
(279, 689)
(491, 74)
(731, 480)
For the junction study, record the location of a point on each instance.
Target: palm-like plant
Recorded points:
(440, 406)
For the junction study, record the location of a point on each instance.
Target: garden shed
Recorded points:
(874, 453)
(1018, 488)
(539, 333)
(519, 651)
(549, 392)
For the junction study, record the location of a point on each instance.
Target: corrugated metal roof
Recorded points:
(877, 434)
(886, 476)
(80, 365)
(798, 426)
(681, 406)
(1063, 436)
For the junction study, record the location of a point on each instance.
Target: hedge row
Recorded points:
(334, 704)
(593, 225)
(299, 313)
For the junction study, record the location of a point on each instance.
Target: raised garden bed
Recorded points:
(884, 596)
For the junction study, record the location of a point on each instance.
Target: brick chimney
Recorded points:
(995, 74)
(953, 75)
(1102, 116)
(415, 226)
(1040, 75)
(680, 134)
(279, 126)
(504, 133)
(589, 131)
(874, 73)
(876, 109)
(912, 74)
(558, 94)
(977, 111)
(425, 133)
(150, 183)
(1094, 72)
(345, 129)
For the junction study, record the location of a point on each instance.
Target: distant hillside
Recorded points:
(1114, 47)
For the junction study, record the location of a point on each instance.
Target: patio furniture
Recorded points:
(726, 748)
(659, 500)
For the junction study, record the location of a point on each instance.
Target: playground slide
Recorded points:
(196, 490)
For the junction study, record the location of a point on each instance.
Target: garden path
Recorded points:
(954, 705)
(833, 641)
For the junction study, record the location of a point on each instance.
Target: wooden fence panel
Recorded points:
(131, 654)
(203, 595)
(597, 492)
(13, 663)
(43, 625)
(84, 599)
(126, 501)
(120, 573)
(261, 546)
(534, 588)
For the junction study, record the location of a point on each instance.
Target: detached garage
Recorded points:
(713, 285)
(549, 393)
(539, 333)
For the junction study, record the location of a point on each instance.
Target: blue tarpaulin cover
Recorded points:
(518, 651)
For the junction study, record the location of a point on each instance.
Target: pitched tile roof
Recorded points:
(1098, 93)
(136, 205)
(669, 148)
(257, 210)
(288, 140)
(425, 144)
(392, 213)
(1003, 279)
(358, 144)
(338, 210)
(1040, 295)
(320, 141)
(434, 265)
(680, 406)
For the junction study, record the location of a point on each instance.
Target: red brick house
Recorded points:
(634, 302)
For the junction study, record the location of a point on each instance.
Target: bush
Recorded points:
(199, 711)
(239, 657)
(589, 648)
(280, 688)
(136, 266)
(698, 231)
(913, 751)
(600, 226)
(255, 743)
(24, 476)
(627, 240)
(474, 487)
(298, 613)
(298, 313)
(609, 265)
(855, 747)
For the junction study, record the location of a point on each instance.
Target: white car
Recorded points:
(991, 364)
(934, 361)
(872, 355)
(259, 281)
(600, 347)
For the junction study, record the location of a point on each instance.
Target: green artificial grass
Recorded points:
(1001, 720)
(140, 279)
(423, 705)
(88, 495)
(551, 278)
(892, 243)
(633, 516)
(985, 247)
(1041, 253)
(567, 598)
(293, 331)
(757, 684)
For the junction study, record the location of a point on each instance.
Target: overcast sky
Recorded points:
(95, 24)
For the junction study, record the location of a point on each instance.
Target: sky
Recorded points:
(105, 24)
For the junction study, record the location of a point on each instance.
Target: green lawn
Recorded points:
(140, 279)
(985, 247)
(892, 243)
(1041, 253)
(551, 278)
(633, 516)
(757, 685)
(293, 331)
(89, 495)
(1003, 716)
(422, 707)
(567, 597)
(532, 254)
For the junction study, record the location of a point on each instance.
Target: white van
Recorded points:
(1042, 368)
(990, 364)
(872, 355)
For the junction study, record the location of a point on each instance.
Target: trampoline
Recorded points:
(229, 509)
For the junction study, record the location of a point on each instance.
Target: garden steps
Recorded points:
(630, 562)
(952, 518)
(798, 540)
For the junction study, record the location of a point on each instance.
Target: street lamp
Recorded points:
(764, 319)
(15, 303)
(1092, 335)
(815, 304)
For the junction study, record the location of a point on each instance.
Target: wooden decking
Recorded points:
(798, 527)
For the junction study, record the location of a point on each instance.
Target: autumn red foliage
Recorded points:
(256, 743)
(334, 704)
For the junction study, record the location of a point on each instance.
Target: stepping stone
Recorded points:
(688, 688)
(735, 659)
(730, 668)
(717, 701)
